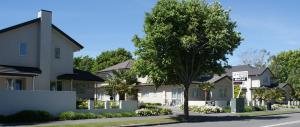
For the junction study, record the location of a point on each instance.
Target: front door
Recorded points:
(176, 96)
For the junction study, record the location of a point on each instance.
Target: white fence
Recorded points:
(53, 102)
(222, 104)
(124, 106)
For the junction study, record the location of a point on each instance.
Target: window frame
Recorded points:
(20, 49)
(57, 53)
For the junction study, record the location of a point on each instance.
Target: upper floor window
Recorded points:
(23, 49)
(57, 53)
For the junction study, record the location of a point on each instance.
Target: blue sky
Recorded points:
(106, 25)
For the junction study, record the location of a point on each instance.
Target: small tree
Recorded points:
(122, 82)
(206, 87)
(259, 94)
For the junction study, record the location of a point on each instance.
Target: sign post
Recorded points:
(237, 104)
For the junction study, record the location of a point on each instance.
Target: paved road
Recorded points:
(285, 120)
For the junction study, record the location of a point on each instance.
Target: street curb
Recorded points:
(151, 124)
(270, 114)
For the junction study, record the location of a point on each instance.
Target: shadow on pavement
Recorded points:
(227, 118)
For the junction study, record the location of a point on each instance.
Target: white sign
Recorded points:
(239, 76)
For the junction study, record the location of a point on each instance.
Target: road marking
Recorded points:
(281, 124)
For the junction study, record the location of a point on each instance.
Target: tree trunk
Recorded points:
(205, 95)
(186, 101)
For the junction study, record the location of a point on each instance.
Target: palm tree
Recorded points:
(206, 87)
(122, 82)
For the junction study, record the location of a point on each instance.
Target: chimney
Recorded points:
(45, 44)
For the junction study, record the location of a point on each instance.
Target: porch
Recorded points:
(18, 77)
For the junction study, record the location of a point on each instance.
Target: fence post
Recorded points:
(106, 105)
(90, 104)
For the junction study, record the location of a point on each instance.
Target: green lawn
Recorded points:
(265, 113)
(119, 123)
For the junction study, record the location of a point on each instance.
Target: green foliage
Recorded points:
(113, 104)
(84, 63)
(269, 94)
(254, 108)
(206, 87)
(248, 109)
(82, 103)
(227, 109)
(109, 58)
(165, 111)
(206, 109)
(122, 82)
(149, 105)
(236, 90)
(184, 39)
(286, 67)
(77, 115)
(99, 104)
(27, 116)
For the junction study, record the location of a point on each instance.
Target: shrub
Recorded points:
(117, 115)
(147, 112)
(227, 109)
(205, 109)
(29, 116)
(259, 108)
(66, 116)
(99, 104)
(82, 104)
(149, 105)
(114, 104)
(165, 111)
(107, 115)
(248, 109)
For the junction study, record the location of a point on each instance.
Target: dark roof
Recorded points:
(282, 85)
(38, 20)
(19, 71)
(210, 78)
(252, 71)
(124, 65)
(80, 75)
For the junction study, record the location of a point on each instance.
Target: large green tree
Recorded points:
(84, 63)
(286, 67)
(109, 58)
(184, 39)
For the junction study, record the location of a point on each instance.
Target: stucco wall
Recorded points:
(9, 46)
(53, 102)
(63, 65)
(26, 80)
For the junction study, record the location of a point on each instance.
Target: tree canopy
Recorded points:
(109, 58)
(184, 39)
(286, 67)
(257, 58)
(84, 63)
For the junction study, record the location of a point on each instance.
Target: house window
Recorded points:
(23, 49)
(57, 53)
(15, 84)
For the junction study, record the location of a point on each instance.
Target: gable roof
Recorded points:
(210, 79)
(38, 20)
(124, 65)
(19, 70)
(80, 75)
(252, 71)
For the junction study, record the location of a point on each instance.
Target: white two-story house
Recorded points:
(257, 77)
(37, 55)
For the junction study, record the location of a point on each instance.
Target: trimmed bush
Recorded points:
(107, 115)
(227, 109)
(149, 105)
(248, 109)
(114, 104)
(82, 104)
(204, 109)
(128, 114)
(66, 115)
(76, 115)
(165, 111)
(99, 104)
(29, 116)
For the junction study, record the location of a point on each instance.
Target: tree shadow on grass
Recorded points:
(203, 118)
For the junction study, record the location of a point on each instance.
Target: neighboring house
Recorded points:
(170, 94)
(37, 55)
(257, 77)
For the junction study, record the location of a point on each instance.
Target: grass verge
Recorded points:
(267, 113)
(120, 123)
